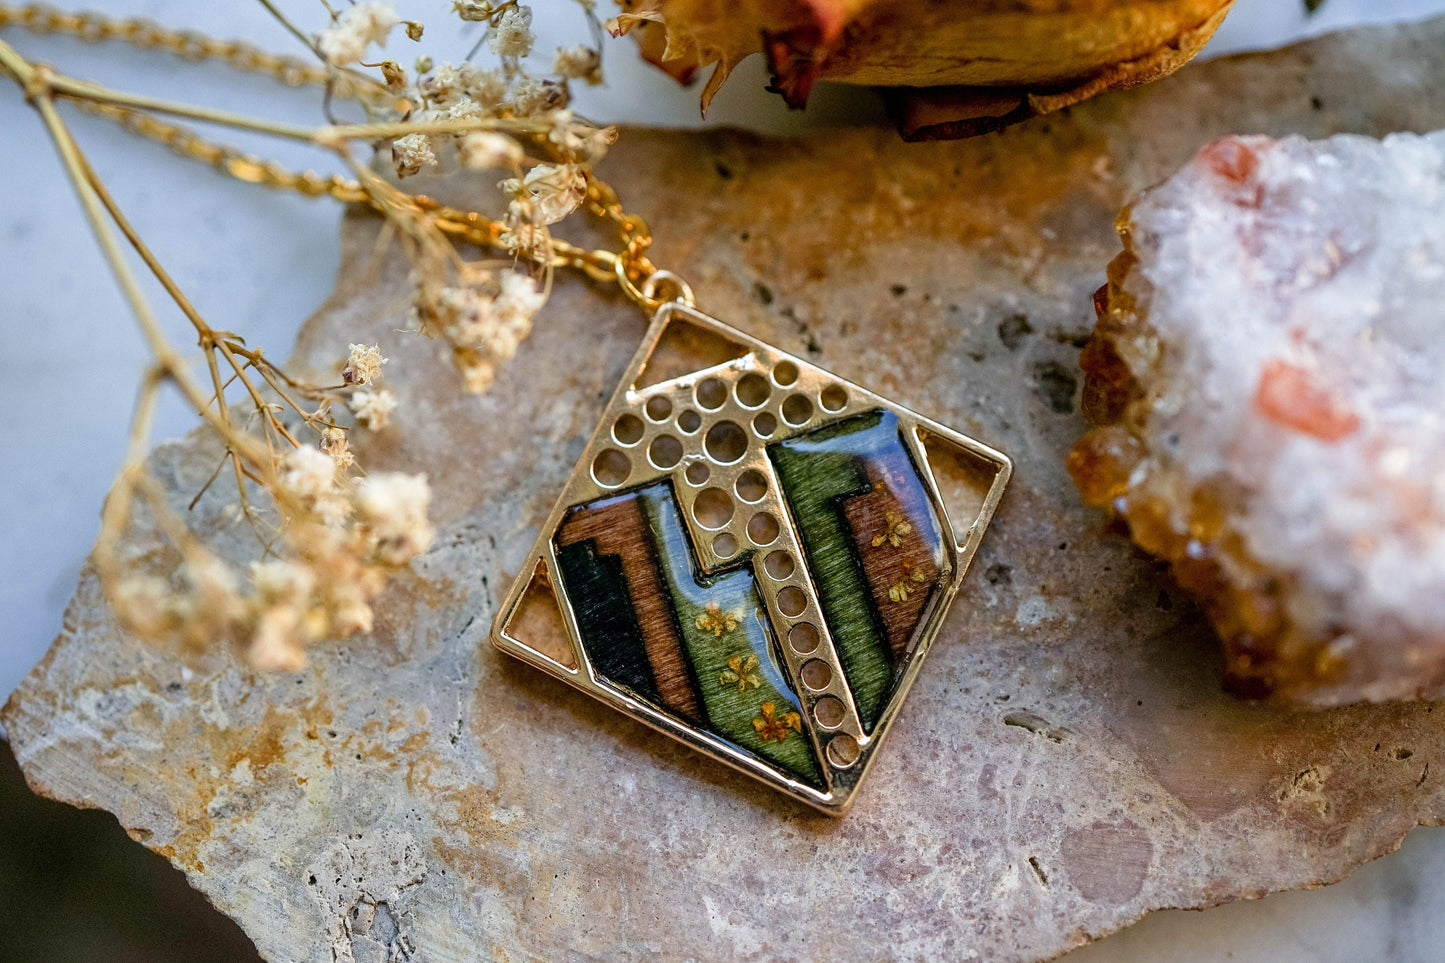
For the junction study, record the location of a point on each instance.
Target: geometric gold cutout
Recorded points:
(753, 556)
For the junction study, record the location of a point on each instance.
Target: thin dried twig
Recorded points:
(329, 532)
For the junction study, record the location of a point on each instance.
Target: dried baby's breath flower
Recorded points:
(525, 237)
(142, 602)
(351, 611)
(579, 140)
(411, 153)
(310, 476)
(555, 190)
(393, 508)
(337, 446)
(512, 33)
(363, 364)
(282, 580)
(467, 109)
(308, 472)
(346, 40)
(476, 11)
(485, 148)
(445, 84)
(532, 96)
(275, 645)
(467, 315)
(394, 75)
(494, 314)
(578, 62)
(200, 606)
(285, 619)
(478, 371)
(328, 538)
(448, 84)
(372, 408)
(487, 88)
(520, 298)
(286, 616)
(213, 584)
(485, 323)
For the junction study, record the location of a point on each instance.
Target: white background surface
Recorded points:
(259, 263)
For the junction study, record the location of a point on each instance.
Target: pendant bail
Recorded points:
(647, 295)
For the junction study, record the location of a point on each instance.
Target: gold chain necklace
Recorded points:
(752, 556)
(630, 267)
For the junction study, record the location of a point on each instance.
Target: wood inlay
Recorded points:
(605, 617)
(616, 527)
(899, 559)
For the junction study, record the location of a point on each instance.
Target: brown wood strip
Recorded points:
(617, 527)
(901, 577)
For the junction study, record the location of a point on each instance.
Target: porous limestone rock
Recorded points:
(1066, 761)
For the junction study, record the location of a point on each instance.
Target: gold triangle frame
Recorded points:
(964, 497)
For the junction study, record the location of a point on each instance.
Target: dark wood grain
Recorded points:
(902, 577)
(616, 527)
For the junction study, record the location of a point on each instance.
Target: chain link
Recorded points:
(243, 166)
(148, 35)
(630, 268)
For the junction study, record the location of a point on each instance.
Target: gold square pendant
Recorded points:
(753, 556)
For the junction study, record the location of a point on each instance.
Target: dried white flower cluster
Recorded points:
(484, 320)
(363, 364)
(464, 92)
(332, 534)
(487, 118)
(411, 153)
(371, 404)
(341, 538)
(338, 538)
(354, 30)
(512, 34)
(578, 62)
(549, 192)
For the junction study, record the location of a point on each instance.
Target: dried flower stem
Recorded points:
(336, 535)
(76, 168)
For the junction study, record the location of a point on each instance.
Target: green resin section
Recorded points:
(817, 471)
(732, 703)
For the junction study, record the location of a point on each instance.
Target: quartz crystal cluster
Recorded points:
(1267, 381)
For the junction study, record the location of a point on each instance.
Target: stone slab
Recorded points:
(1066, 762)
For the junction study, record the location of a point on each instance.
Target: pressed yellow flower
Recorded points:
(742, 671)
(715, 620)
(900, 591)
(897, 527)
(774, 728)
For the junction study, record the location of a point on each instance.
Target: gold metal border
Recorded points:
(961, 540)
